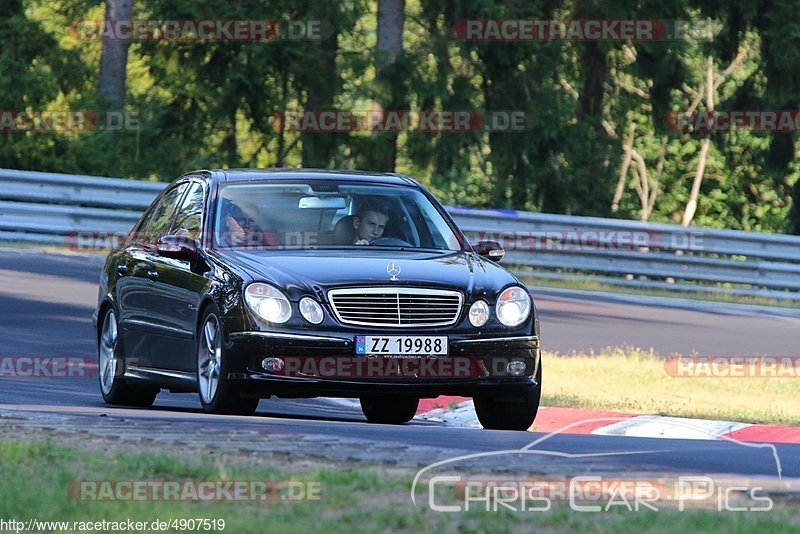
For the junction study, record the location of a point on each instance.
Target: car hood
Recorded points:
(309, 272)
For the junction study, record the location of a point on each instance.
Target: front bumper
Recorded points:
(321, 365)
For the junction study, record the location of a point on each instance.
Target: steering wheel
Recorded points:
(390, 242)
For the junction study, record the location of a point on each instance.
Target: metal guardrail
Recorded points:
(654, 256)
(76, 190)
(48, 208)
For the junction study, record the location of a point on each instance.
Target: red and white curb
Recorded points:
(460, 412)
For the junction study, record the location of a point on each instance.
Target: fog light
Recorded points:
(274, 365)
(516, 368)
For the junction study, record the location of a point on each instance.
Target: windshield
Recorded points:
(328, 214)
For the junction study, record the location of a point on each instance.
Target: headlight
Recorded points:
(513, 306)
(310, 310)
(268, 302)
(479, 313)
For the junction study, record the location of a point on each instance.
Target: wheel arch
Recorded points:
(105, 305)
(201, 310)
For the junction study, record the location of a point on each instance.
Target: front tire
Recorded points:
(218, 394)
(389, 410)
(510, 414)
(111, 368)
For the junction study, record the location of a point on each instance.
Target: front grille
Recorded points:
(396, 307)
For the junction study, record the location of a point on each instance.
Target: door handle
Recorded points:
(152, 275)
(122, 269)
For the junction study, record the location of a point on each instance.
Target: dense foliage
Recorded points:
(594, 111)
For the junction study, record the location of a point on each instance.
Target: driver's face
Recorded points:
(236, 233)
(370, 226)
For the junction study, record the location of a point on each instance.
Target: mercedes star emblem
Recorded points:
(393, 269)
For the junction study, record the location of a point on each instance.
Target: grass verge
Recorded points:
(633, 380)
(37, 475)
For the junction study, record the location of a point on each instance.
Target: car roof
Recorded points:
(265, 175)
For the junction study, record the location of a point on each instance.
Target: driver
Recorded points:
(238, 228)
(370, 222)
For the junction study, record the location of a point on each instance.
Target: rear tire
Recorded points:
(111, 368)
(218, 394)
(389, 410)
(509, 414)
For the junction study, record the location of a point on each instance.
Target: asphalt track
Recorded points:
(46, 302)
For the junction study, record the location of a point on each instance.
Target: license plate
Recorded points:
(400, 345)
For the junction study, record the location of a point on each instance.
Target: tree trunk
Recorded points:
(319, 147)
(114, 58)
(279, 162)
(391, 19)
(229, 147)
(691, 206)
(643, 185)
(662, 155)
(627, 146)
(595, 69)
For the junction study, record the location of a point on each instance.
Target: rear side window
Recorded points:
(190, 213)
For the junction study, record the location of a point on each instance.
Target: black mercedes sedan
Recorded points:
(243, 284)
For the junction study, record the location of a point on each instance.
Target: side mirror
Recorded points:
(489, 249)
(176, 247)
